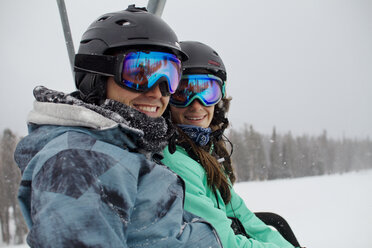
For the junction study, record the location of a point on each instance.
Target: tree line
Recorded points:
(255, 157)
(259, 157)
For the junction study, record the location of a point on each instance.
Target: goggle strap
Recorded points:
(223, 89)
(101, 64)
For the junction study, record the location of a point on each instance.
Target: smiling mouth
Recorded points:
(195, 118)
(149, 109)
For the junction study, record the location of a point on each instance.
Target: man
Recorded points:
(91, 175)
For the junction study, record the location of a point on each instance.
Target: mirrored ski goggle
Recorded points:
(137, 70)
(208, 89)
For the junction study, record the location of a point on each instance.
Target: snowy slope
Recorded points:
(325, 212)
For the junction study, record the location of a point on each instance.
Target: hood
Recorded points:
(57, 108)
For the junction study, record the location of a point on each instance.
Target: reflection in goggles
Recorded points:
(141, 70)
(205, 88)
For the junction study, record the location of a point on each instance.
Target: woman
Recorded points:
(200, 157)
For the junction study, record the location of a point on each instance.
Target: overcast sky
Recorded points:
(299, 65)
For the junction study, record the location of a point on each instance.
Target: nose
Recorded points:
(154, 92)
(196, 104)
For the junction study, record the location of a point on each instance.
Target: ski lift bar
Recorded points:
(156, 7)
(67, 32)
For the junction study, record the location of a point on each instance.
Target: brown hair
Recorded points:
(219, 174)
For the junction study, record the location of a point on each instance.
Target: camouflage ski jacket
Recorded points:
(87, 183)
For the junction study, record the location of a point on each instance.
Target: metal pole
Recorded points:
(156, 7)
(67, 33)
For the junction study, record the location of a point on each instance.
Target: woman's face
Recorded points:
(195, 114)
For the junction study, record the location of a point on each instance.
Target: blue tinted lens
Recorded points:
(204, 87)
(142, 70)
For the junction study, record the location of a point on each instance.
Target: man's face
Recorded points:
(152, 103)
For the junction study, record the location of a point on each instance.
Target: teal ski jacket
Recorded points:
(86, 183)
(200, 200)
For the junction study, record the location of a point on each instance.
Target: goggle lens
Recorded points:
(142, 70)
(206, 88)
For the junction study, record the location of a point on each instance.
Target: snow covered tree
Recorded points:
(9, 181)
(317, 163)
(277, 169)
(302, 158)
(363, 155)
(327, 152)
(257, 158)
(239, 156)
(345, 156)
(288, 156)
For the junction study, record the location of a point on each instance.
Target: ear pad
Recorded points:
(92, 87)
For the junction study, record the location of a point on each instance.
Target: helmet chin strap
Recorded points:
(217, 135)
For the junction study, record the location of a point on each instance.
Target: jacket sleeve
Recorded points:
(253, 226)
(198, 200)
(73, 205)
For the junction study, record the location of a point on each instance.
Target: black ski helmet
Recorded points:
(202, 56)
(130, 28)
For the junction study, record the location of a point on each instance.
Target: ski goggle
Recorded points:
(136, 70)
(206, 88)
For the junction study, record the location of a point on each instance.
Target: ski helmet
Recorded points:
(118, 31)
(202, 56)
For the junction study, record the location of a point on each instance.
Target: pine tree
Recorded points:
(9, 179)
(249, 154)
(239, 157)
(301, 159)
(274, 157)
(288, 156)
(257, 158)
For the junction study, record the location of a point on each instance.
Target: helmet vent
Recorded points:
(123, 23)
(102, 18)
(215, 53)
(138, 38)
(215, 63)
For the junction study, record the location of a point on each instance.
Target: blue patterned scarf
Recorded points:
(197, 134)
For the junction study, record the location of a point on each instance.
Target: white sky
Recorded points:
(300, 65)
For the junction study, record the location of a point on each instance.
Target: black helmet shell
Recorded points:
(131, 27)
(202, 56)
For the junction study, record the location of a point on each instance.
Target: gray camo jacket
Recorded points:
(85, 185)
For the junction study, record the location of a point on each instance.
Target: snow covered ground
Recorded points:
(325, 212)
